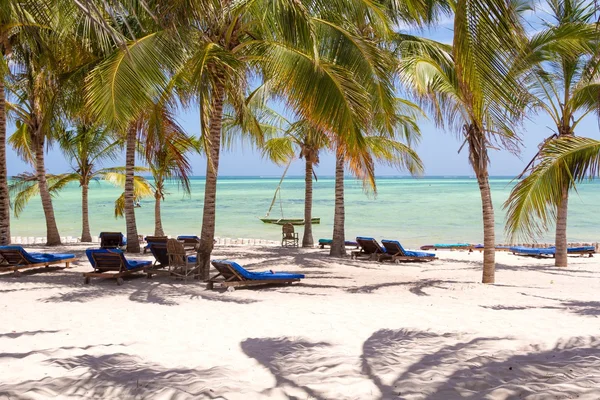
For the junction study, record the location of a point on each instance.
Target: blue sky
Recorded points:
(437, 149)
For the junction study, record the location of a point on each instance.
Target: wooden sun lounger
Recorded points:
(13, 260)
(154, 239)
(396, 253)
(232, 278)
(369, 249)
(112, 265)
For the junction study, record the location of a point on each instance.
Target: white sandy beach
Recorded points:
(350, 330)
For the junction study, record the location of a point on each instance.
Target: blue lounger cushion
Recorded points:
(129, 264)
(181, 237)
(329, 241)
(408, 253)
(260, 276)
(451, 245)
(34, 258)
(547, 251)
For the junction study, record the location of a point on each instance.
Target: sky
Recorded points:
(438, 149)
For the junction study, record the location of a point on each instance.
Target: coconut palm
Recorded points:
(394, 150)
(472, 87)
(86, 147)
(25, 186)
(562, 162)
(165, 148)
(565, 85)
(307, 141)
(301, 49)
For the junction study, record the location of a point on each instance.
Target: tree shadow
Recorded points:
(147, 292)
(415, 287)
(14, 335)
(121, 376)
(301, 368)
(413, 364)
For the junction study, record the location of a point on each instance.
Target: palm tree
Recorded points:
(86, 147)
(378, 147)
(25, 186)
(165, 147)
(472, 87)
(564, 85)
(299, 49)
(302, 138)
(562, 162)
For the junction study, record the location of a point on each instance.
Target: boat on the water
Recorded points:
(282, 220)
(293, 221)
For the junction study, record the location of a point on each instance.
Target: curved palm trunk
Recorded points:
(158, 228)
(210, 190)
(561, 231)
(479, 161)
(307, 238)
(85, 216)
(52, 235)
(4, 197)
(338, 248)
(133, 244)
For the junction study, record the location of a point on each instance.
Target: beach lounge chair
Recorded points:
(181, 262)
(111, 263)
(112, 240)
(159, 251)
(153, 239)
(369, 249)
(190, 242)
(15, 258)
(327, 242)
(550, 251)
(288, 236)
(396, 253)
(233, 275)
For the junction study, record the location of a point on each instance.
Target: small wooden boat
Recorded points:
(282, 220)
(293, 221)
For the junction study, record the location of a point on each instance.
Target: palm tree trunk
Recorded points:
(85, 215)
(210, 189)
(133, 244)
(158, 228)
(338, 248)
(52, 235)
(479, 160)
(4, 197)
(307, 238)
(560, 239)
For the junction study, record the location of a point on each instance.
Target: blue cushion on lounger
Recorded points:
(257, 276)
(181, 237)
(451, 245)
(408, 253)
(547, 251)
(129, 264)
(34, 258)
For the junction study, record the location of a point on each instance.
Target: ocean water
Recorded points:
(414, 211)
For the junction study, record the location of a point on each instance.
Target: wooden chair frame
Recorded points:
(16, 262)
(121, 272)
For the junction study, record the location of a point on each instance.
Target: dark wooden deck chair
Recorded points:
(396, 253)
(15, 258)
(159, 251)
(181, 262)
(154, 239)
(111, 263)
(190, 242)
(369, 249)
(112, 240)
(288, 236)
(231, 275)
(328, 242)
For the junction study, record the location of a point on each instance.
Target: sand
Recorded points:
(350, 330)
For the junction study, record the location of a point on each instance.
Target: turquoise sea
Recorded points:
(415, 211)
